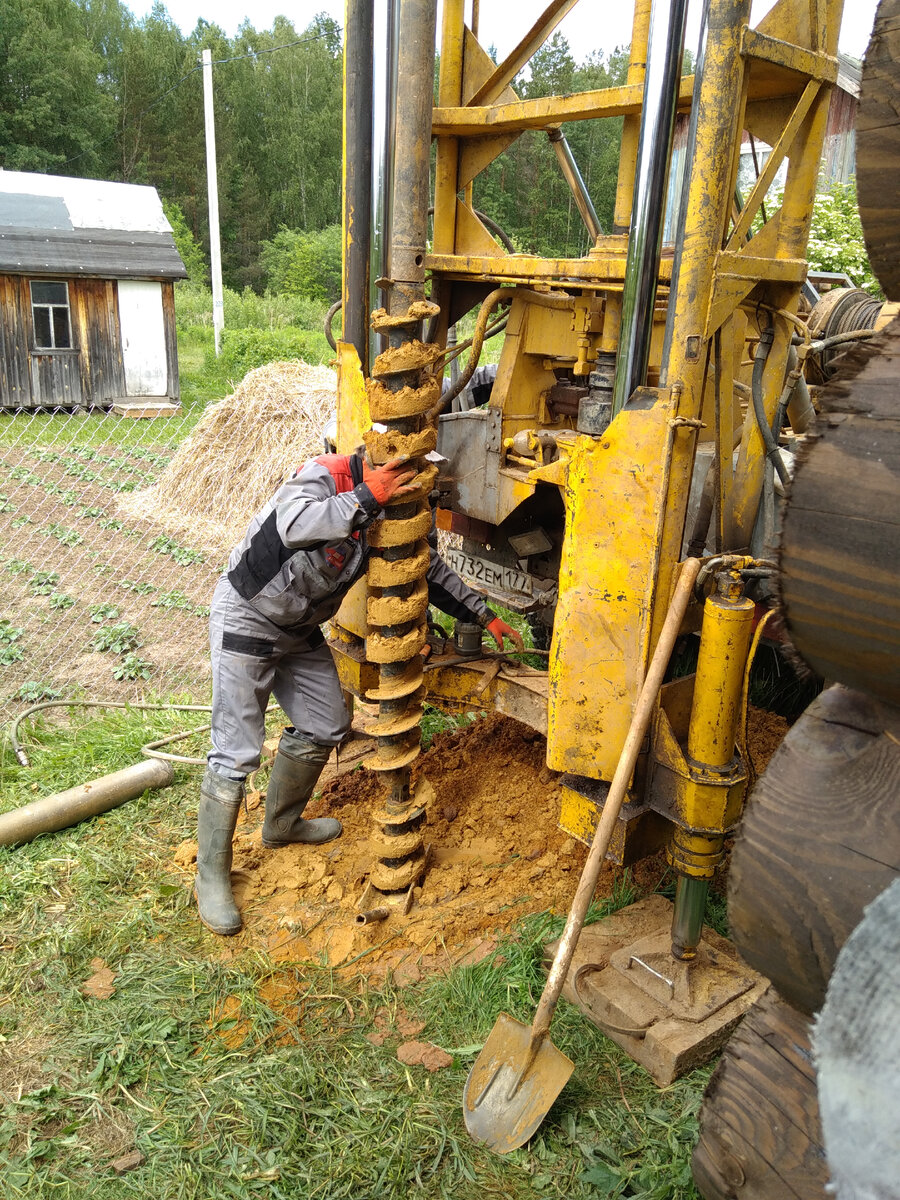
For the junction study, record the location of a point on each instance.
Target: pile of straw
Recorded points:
(240, 450)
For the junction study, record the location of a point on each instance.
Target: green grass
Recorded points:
(225, 1093)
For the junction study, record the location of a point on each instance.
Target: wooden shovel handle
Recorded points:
(617, 791)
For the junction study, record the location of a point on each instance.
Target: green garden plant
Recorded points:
(119, 639)
(67, 537)
(10, 650)
(43, 583)
(17, 566)
(33, 692)
(132, 667)
(181, 554)
(103, 612)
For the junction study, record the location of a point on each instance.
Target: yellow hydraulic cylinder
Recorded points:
(724, 644)
(712, 733)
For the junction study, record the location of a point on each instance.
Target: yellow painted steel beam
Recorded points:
(446, 172)
(456, 687)
(614, 496)
(590, 271)
(637, 67)
(627, 493)
(506, 72)
(773, 270)
(779, 152)
(823, 67)
(486, 121)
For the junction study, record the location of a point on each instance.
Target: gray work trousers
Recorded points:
(252, 660)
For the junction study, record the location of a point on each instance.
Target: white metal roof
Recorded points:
(88, 203)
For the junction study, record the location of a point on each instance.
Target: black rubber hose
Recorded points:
(759, 362)
(329, 317)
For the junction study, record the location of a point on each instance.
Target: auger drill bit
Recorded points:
(401, 391)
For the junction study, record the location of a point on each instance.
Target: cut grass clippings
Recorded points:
(230, 1074)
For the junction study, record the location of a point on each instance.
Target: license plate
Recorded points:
(485, 574)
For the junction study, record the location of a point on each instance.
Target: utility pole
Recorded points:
(212, 188)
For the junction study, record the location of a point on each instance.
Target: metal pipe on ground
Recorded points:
(63, 809)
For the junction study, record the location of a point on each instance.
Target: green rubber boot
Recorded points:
(220, 803)
(298, 765)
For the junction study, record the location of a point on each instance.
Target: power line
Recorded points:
(317, 37)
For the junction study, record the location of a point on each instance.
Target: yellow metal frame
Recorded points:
(626, 493)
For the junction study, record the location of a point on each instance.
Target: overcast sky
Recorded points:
(592, 24)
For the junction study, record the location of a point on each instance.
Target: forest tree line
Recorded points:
(87, 89)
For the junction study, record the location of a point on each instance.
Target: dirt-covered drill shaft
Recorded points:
(400, 393)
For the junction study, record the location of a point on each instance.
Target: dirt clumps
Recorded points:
(497, 854)
(765, 733)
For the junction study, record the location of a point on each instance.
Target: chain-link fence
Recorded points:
(113, 531)
(96, 600)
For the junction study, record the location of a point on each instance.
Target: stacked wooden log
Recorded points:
(814, 897)
(820, 840)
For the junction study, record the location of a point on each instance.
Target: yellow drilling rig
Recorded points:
(643, 411)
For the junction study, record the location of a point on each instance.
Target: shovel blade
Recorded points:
(502, 1107)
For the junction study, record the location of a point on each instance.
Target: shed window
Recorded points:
(50, 310)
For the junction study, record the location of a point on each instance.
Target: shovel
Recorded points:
(519, 1072)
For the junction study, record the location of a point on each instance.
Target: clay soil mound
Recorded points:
(497, 855)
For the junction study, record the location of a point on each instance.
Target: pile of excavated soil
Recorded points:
(497, 854)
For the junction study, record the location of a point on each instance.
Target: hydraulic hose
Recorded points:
(854, 335)
(759, 362)
(329, 317)
(497, 296)
(22, 757)
(490, 302)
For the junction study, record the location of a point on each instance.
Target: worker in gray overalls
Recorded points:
(301, 554)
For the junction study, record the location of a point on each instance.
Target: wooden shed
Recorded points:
(87, 308)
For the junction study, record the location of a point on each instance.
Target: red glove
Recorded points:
(387, 481)
(499, 630)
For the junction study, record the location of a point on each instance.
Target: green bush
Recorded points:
(836, 240)
(246, 310)
(244, 349)
(304, 264)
